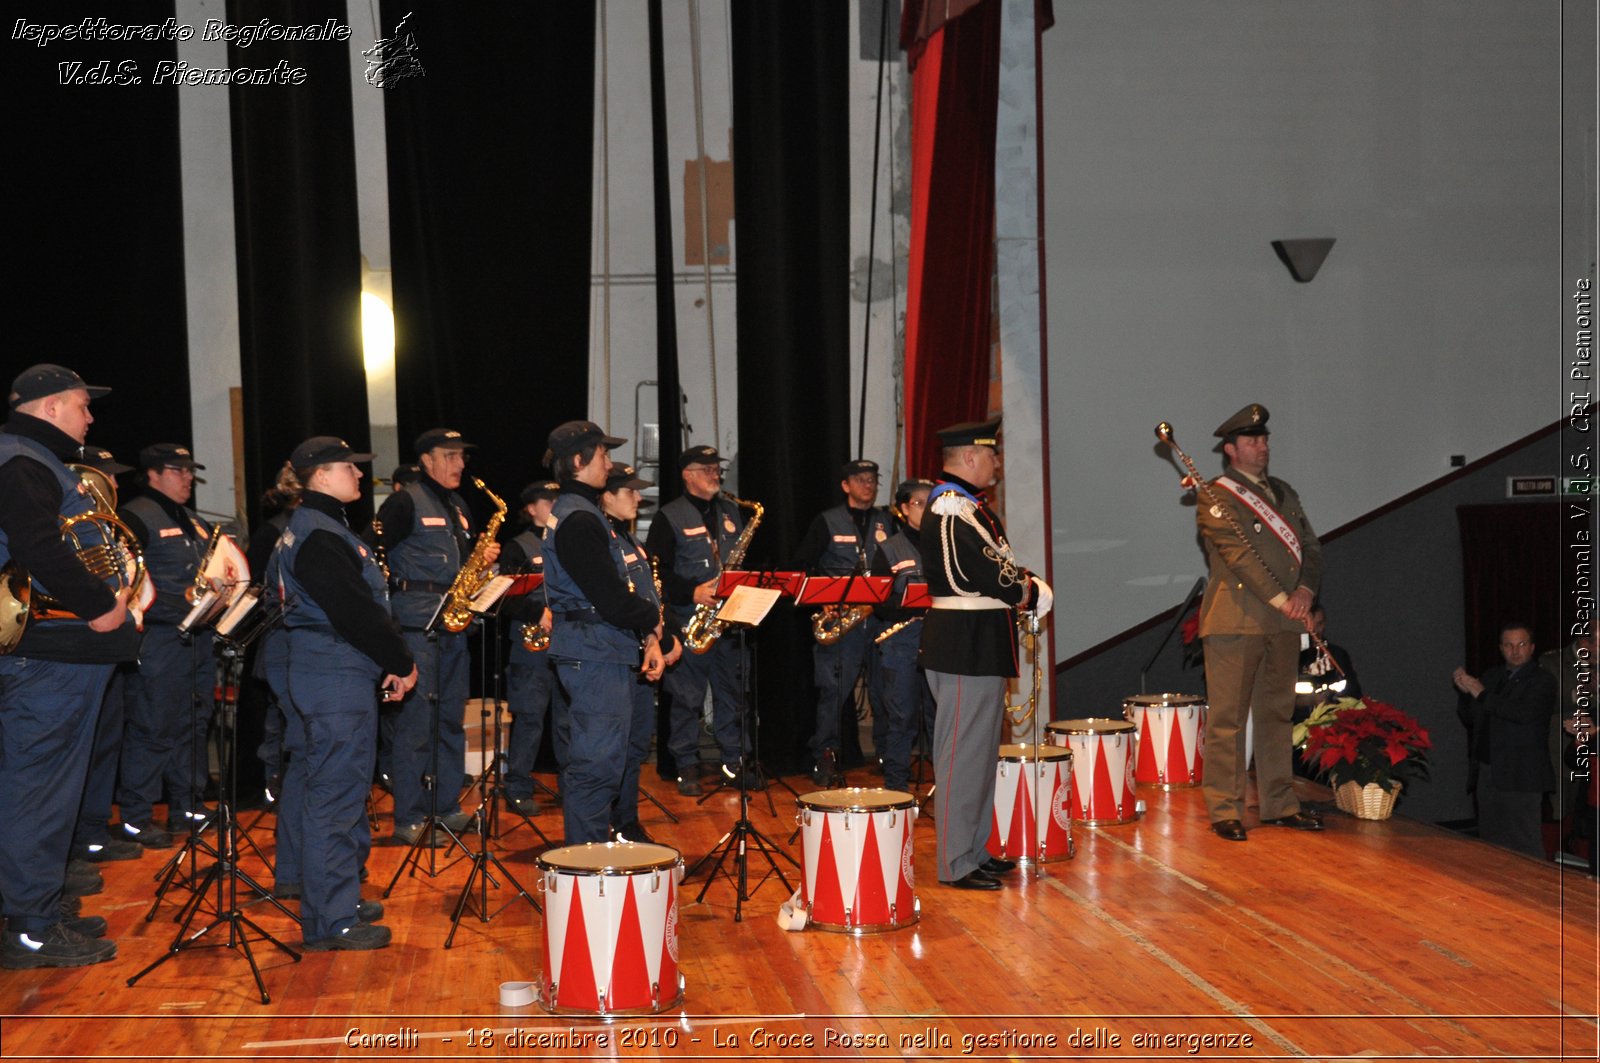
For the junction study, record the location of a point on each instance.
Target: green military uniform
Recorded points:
(1252, 649)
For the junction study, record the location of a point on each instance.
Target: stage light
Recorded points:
(377, 335)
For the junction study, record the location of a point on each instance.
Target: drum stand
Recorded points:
(225, 872)
(431, 822)
(737, 843)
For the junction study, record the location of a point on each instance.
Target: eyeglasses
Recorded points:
(915, 503)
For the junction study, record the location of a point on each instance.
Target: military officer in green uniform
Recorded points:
(1266, 565)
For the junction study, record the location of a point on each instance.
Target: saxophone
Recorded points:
(832, 622)
(704, 629)
(476, 572)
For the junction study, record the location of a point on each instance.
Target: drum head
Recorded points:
(1090, 726)
(1027, 751)
(1163, 700)
(857, 799)
(610, 858)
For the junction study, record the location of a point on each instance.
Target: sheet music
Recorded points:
(749, 605)
(491, 593)
(239, 608)
(202, 609)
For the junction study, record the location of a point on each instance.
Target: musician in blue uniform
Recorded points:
(841, 542)
(427, 536)
(689, 539)
(620, 503)
(343, 646)
(54, 676)
(529, 681)
(600, 623)
(170, 696)
(907, 702)
(969, 647)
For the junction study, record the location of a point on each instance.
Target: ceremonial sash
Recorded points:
(1269, 516)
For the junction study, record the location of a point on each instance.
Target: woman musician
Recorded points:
(907, 700)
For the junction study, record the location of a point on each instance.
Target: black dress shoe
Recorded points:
(996, 866)
(975, 880)
(1231, 829)
(1297, 821)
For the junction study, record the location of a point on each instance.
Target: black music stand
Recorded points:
(225, 873)
(850, 591)
(788, 585)
(743, 835)
(492, 777)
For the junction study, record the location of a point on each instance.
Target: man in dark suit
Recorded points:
(1508, 728)
(1266, 564)
(969, 647)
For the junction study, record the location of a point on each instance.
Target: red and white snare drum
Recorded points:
(1171, 730)
(1102, 777)
(856, 876)
(1032, 787)
(610, 929)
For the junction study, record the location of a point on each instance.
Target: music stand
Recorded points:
(494, 769)
(743, 836)
(233, 635)
(788, 585)
(853, 591)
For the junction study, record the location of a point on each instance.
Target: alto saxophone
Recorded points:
(704, 629)
(475, 573)
(832, 622)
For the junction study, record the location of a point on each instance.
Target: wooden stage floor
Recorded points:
(1392, 940)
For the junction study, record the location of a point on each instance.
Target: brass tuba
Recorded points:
(104, 545)
(476, 572)
(704, 629)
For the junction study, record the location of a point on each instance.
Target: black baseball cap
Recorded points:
(167, 455)
(623, 476)
(406, 474)
(324, 450)
(101, 459)
(908, 488)
(535, 492)
(700, 455)
(573, 436)
(971, 434)
(42, 381)
(857, 467)
(441, 437)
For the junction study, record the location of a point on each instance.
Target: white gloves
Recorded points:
(1043, 599)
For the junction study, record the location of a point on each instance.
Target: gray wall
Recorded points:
(1181, 138)
(1393, 590)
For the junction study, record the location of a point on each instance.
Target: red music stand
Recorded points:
(789, 583)
(916, 597)
(526, 583)
(845, 590)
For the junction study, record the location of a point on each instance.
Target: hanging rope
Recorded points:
(872, 225)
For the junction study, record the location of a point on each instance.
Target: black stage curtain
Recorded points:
(669, 408)
(490, 167)
(791, 185)
(299, 248)
(1511, 560)
(96, 225)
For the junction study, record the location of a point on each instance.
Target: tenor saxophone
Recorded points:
(476, 572)
(704, 629)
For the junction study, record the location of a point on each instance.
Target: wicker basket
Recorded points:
(1366, 802)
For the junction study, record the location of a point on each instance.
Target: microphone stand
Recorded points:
(1177, 622)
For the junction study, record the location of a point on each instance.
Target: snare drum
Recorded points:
(1102, 780)
(1032, 786)
(1170, 729)
(610, 929)
(856, 876)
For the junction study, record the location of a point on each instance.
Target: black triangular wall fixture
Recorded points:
(1303, 257)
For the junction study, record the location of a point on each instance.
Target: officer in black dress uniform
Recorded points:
(53, 679)
(907, 702)
(427, 536)
(529, 681)
(841, 542)
(969, 647)
(343, 646)
(689, 538)
(170, 696)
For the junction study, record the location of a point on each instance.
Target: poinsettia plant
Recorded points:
(1365, 741)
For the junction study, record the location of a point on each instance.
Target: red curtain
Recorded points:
(955, 85)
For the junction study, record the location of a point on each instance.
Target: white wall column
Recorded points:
(1018, 254)
(210, 265)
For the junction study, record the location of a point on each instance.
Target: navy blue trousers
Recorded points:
(685, 684)
(905, 703)
(641, 728)
(169, 703)
(442, 665)
(94, 814)
(835, 669)
(529, 686)
(48, 712)
(600, 717)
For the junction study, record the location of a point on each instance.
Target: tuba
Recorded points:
(104, 545)
(476, 572)
(704, 629)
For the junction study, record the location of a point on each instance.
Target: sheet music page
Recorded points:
(238, 609)
(197, 615)
(749, 605)
(492, 591)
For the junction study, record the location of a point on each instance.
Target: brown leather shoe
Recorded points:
(1231, 829)
(1298, 821)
